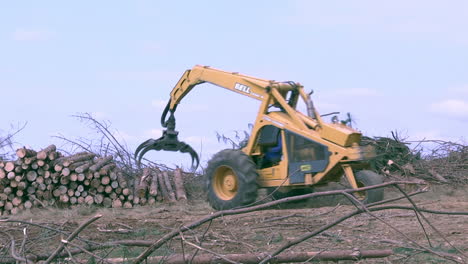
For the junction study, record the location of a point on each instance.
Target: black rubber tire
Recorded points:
(276, 195)
(366, 178)
(246, 173)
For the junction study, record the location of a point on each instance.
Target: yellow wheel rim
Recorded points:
(225, 183)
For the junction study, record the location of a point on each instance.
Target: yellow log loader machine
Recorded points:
(288, 151)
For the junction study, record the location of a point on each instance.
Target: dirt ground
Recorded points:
(261, 231)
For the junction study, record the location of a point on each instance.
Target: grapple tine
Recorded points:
(168, 142)
(142, 153)
(142, 149)
(185, 148)
(195, 158)
(142, 146)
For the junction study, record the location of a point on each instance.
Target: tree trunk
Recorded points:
(24, 152)
(79, 157)
(31, 175)
(179, 185)
(43, 154)
(117, 203)
(154, 184)
(142, 186)
(167, 183)
(253, 258)
(107, 168)
(100, 163)
(9, 166)
(162, 186)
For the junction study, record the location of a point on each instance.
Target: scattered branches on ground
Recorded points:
(67, 249)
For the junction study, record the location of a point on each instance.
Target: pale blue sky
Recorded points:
(395, 65)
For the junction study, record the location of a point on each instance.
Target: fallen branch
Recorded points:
(215, 215)
(218, 256)
(71, 237)
(254, 258)
(336, 222)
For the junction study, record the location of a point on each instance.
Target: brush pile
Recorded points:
(443, 162)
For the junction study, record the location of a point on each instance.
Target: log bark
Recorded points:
(108, 189)
(58, 161)
(253, 258)
(105, 180)
(64, 198)
(84, 167)
(24, 152)
(179, 185)
(40, 163)
(105, 170)
(58, 167)
(73, 177)
(98, 198)
(73, 166)
(89, 199)
(151, 201)
(21, 185)
(114, 184)
(142, 186)
(31, 175)
(100, 163)
(117, 203)
(29, 160)
(112, 174)
(16, 201)
(66, 172)
(126, 191)
(154, 184)
(28, 204)
(167, 183)
(95, 183)
(79, 157)
(43, 154)
(11, 175)
(64, 180)
(81, 177)
(107, 202)
(53, 155)
(3, 196)
(9, 166)
(121, 179)
(162, 186)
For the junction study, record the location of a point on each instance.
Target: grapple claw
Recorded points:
(169, 142)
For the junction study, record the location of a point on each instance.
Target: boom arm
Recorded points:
(252, 87)
(246, 85)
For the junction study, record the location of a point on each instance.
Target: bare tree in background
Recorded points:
(108, 142)
(6, 141)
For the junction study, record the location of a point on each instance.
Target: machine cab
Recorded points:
(283, 153)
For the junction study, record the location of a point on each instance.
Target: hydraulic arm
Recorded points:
(267, 91)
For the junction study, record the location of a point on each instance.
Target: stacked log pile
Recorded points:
(155, 185)
(47, 177)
